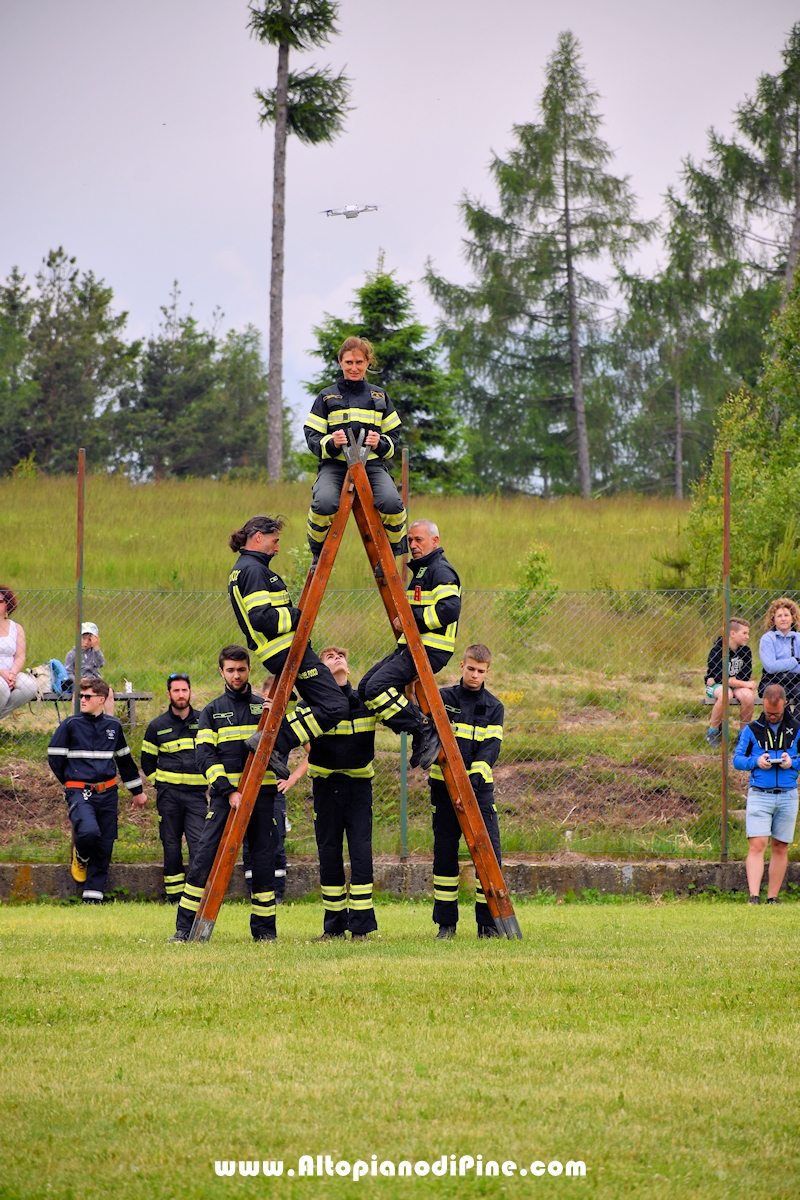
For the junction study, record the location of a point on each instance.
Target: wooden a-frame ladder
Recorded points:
(357, 497)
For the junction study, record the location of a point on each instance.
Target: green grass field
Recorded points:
(173, 535)
(655, 1042)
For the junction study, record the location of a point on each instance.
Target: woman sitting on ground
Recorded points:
(779, 649)
(16, 687)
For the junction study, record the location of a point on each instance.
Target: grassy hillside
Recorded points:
(173, 535)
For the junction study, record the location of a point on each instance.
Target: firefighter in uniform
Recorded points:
(224, 727)
(355, 404)
(477, 719)
(434, 593)
(340, 765)
(268, 620)
(168, 761)
(84, 754)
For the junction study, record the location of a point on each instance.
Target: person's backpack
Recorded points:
(58, 678)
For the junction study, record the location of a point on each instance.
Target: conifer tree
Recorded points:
(521, 332)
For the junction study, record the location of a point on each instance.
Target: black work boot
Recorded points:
(425, 746)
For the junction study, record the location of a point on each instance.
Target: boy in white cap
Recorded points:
(92, 661)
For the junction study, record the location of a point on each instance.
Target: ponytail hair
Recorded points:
(264, 524)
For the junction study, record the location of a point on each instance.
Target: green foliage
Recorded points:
(316, 105)
(198, 405)
(407, 365)
(748, 191)
(62, 364)
(762, 431)
(535, 591)
(524, 332)
(301, 24)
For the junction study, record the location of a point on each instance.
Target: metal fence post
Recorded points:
(76, 693)
(726, 620)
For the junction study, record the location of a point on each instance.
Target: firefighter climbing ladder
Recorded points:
(357, 497)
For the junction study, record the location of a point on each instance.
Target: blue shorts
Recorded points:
(771, 814)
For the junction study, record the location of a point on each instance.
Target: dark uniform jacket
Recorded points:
(261, 604)
(348, 405)
(349, 748)
(477, 720)
(90, 750)
(168, 752)
(224, 726)
(434, 593)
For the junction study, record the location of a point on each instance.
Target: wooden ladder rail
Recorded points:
(270, 723)
(395, 601)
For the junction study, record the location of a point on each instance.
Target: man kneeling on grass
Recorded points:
(768, 748)
(84, 754)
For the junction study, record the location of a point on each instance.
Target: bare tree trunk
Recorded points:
(579, 404)
(794, 250)
(678, 441)
(275, 400)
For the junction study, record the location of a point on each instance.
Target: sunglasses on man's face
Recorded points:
(88, 695)
(176, 676)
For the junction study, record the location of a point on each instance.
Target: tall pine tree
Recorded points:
(521, 333)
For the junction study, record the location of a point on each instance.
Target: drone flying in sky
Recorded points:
(350, 210)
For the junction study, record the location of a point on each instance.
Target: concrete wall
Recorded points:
(132, 881)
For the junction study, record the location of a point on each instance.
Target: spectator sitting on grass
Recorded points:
(768, 749)
(779, 649)
(92, 662)
(16, 686)
(740, 668)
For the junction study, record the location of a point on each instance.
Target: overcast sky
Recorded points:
(129, 136)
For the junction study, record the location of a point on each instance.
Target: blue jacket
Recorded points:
(757, 738)
(780, 652)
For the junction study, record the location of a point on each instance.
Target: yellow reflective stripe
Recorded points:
(327, 448)
(284, 620)
(215, 771)
(478, 733)
(174, 747)
(315, 422)
(149, 748)
(394, 521)
(206, 737)
(390, 422)
(363, 416)
(360, 905)
(236, 733)
(483, 769)
(352, 772)
(265, 648)
(260, 599)
(191, 905)
(190, 780)
(430, 617)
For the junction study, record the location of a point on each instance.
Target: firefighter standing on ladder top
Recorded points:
(268, 620)
(352, 403)
(434, 593)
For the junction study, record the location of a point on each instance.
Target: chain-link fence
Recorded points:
(604, 751)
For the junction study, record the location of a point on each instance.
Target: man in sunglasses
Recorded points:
(168, 761)
(84, 754)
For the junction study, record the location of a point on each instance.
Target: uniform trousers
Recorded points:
(280, 851)
(446, 837)
(94, 827)
(383, 688)
(326, 493)
(343, 807)
(262, 839)
(322, 695)
(181, 813)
